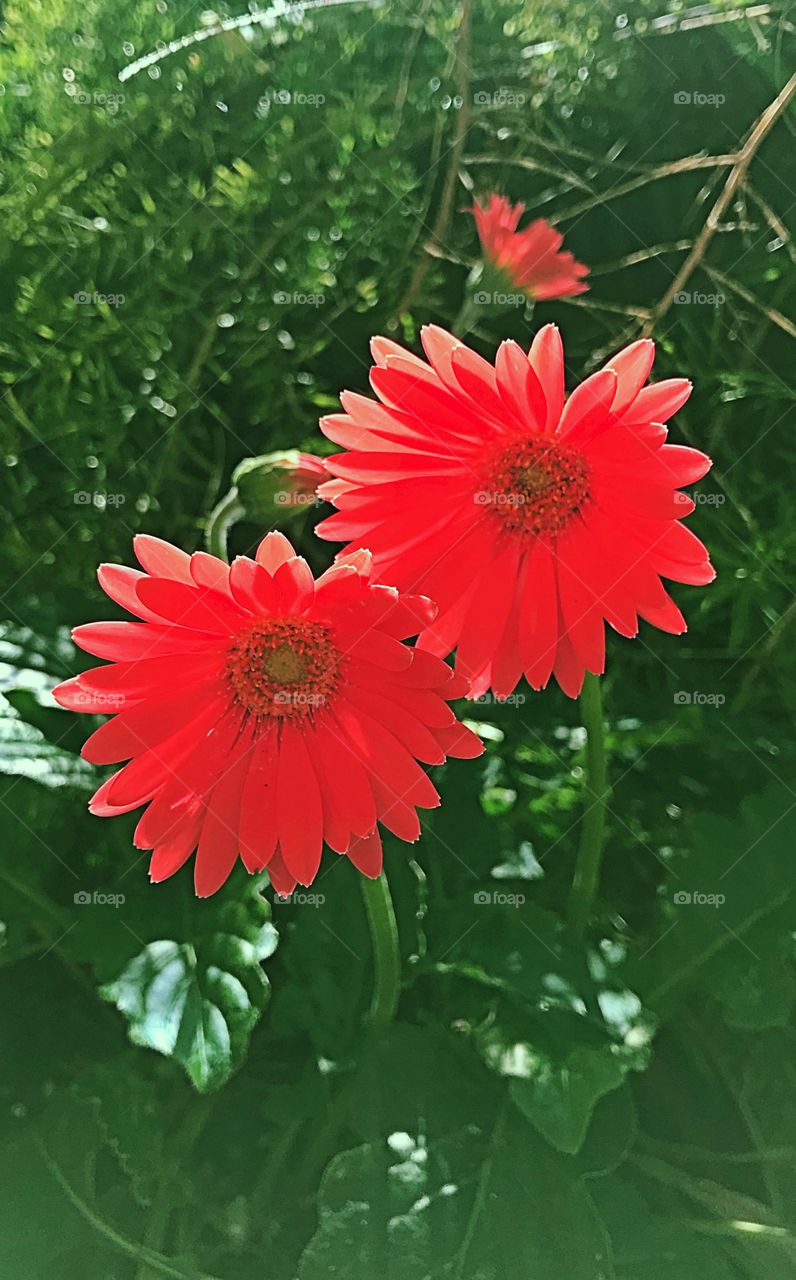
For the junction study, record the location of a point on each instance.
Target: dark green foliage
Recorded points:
(192, 263)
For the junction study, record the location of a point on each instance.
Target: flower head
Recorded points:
(263, 713)
(279, 486)
(530, 517)
(530, 260)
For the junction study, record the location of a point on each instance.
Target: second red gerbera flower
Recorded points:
(531, 260)
(263, 713)
(531, 518)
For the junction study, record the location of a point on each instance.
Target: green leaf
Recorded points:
(727, 918)
(26, 753)
(554, 1016)
(198, 1001)
(454, 1210)
(125, 1105)
(559, 1098)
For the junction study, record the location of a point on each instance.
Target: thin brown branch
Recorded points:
(776, 317)
(686, 165)
(735, 181)
(439, 230)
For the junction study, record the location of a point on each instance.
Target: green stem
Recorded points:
(132, 1248)
(386, 956)
(468, 314)
(587, 869)
(221, 519)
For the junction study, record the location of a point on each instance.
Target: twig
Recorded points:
(735, 180)
(439, 230)
(134, 1250)
(776, 317)
(688, 164)
(773, 220)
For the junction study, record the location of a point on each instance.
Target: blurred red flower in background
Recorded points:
(263, 713)
(530, 517)
(530, 260)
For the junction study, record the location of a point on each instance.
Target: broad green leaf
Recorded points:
(26, 753)
(559, 1098)
(198, 1001)
(727, 917)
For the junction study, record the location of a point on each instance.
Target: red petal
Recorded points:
(161, 559)
(192, 607)
(299, 809)
(273, 551)
(218, 843)
(258, 827)
(366, 854)
(547, 357)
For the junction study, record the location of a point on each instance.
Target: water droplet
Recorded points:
(225, 321)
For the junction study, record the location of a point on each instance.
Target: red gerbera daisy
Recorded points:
(530, 260)
(263, 712)
(529, 517)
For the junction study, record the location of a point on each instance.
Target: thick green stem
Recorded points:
(386, 956)
(587, 869)
(221, 519)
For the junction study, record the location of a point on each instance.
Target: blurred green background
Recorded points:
(193, 259)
